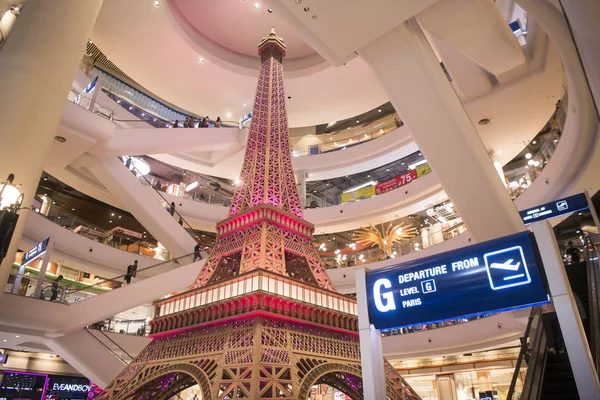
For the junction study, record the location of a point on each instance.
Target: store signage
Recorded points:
(403, 179)
(35, 252)
(70, 387)
(488, 277)
(124, 231)
(553, 209)
(360, 194)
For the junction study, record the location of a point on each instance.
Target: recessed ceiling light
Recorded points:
(112, 214)
(131, 108)
(379, 110)
(17, 336)
(143, 114)
(4, 340)
(357, 121)
(307, 9)
(484, 121)
(110, 222)
(256, 6)
(228, 115)
(269, 10)
(157, 3)
(201, 60)
(528, 156)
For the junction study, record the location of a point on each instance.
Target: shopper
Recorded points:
(398, 122)
(205, 123)
(131, 272)
(197, 253)
(172, 208)
(55, 288)
(572, 253)
(180, 221)
(218, 122)
(176, 124)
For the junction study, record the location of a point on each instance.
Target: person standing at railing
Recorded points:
(572, 253)
(197, 253)
(205, 123)
(176, 124)
(55, 288)
(218, 122)
(172, 208)
(131, 272)
(180, 221)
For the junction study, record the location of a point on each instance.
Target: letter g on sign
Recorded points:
(383, 301)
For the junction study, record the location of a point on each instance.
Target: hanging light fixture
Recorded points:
(9, 194)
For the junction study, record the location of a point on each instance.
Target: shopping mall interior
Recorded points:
(299, 199)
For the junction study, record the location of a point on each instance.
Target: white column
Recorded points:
(408, 69)
(37, 67)
(569, 320)
(301, 183)
(371, 352)
(583, 21)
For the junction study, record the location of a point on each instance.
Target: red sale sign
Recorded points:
(396, 182)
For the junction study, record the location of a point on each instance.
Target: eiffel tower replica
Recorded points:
(262, 320)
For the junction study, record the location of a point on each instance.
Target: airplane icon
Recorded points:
(507, 268)
(507, 265)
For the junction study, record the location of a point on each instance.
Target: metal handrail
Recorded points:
(593, 274)
(167, 201)
(113, 279)
(523, 353)
(108, 348)
(535, 354)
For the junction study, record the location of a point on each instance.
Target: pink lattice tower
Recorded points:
(262, 320)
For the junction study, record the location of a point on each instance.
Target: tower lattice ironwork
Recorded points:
(262, 320)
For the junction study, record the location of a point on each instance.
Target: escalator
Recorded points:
(549, 373)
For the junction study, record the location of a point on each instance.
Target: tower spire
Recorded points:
(267, 175)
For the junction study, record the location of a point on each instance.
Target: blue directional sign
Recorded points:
(553, 209)
(35, 252)
(498, 275)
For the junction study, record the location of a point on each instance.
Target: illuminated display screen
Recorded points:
(484, 278)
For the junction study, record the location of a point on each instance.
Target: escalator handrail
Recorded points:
(167, 201)
(116, 344)
(125, 274)
(108, 348)
(522, 352)
(593, 275)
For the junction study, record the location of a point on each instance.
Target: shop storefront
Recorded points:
(31, 386)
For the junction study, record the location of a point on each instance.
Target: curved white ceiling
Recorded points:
(236, 25)
(149, 44)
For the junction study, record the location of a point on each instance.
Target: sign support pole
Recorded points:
(569, 320)
(371, 352)
(43, 268)
(592, 210)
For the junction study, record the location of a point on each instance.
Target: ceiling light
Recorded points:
(112, 214)
(110, 222)
(256, 6)
(359, 186)
(269, 10)
(307, 9)
(528, 156)
(387, 170)
(415, 165)
(143, 114)
(157, 3)
(118, 101)
(154, 119)
(379, 110)
(131, 108)
(357, 121)
(530, 162)
(4, 340)
(201, 60)
(244, 104)
(17, 336)
(484, 121)
(228, 115)
(534, 142)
